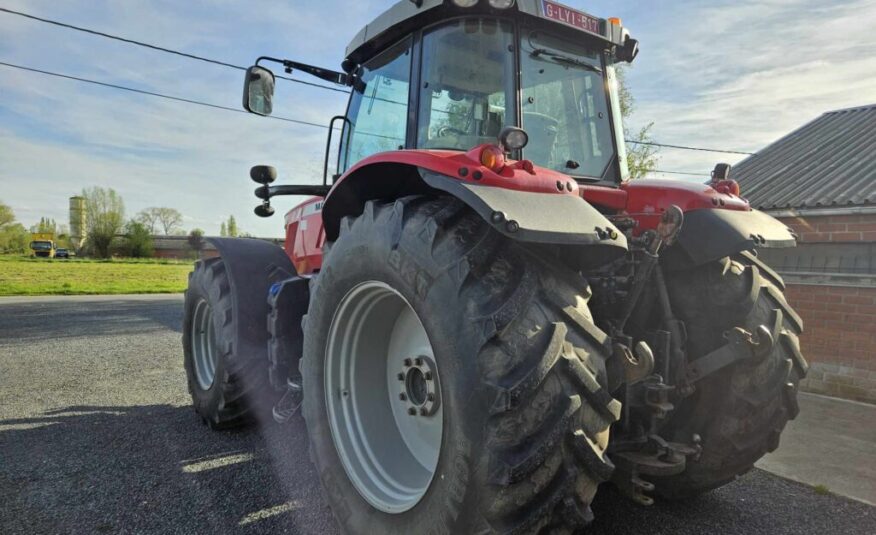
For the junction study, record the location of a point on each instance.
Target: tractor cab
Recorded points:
(452, 74)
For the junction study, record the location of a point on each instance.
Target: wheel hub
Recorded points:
(420, 394)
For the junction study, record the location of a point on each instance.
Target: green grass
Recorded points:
(821, 490)
(21, 275)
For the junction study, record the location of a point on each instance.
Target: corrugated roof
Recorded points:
(829, 162)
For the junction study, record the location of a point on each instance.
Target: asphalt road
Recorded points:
(97, 436)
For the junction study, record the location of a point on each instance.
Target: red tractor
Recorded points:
(480, 316)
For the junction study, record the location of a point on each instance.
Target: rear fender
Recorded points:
(253, 266)
(543, 207)
(711, 234)
(715, 225)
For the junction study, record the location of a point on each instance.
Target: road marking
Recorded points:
(217, 462)
(269, 512)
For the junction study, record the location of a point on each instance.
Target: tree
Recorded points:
(641, 159)
(45, 226)
(148, 218)
(232, 227)
(14, 238)
(168, 220)
(106, 217)
(196, 239)
(7, 216)
(138, 240)
(223, 230)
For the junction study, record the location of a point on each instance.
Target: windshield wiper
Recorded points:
(565, 60)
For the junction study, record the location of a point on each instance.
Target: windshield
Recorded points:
(41, 245)
(565, 106)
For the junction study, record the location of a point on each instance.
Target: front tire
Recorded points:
(226, 386)
(524, 414)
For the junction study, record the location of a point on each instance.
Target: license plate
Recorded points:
(572, 17)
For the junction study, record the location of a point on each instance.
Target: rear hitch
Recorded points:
(741, 345)
(655, 458)
(667, 231)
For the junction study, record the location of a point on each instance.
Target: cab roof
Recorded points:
(408, 15)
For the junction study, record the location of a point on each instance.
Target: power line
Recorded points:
(179, 99)
(686, 148)
(241, 68)
(220, 107)
(154, 94)
(159, 48)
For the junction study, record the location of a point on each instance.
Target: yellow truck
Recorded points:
(43, 244)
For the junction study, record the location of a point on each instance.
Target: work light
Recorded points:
(465, 3)
(513, 138)
(501, 4)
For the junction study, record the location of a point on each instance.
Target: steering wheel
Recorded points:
(444, 131)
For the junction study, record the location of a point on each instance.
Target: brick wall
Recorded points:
(838, 311)
(834, 228)
(839, 339)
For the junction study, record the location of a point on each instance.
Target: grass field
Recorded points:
(40, 276)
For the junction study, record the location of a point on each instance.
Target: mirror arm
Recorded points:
(328, 75)
(266, 192)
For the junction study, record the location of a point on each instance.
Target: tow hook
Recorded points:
(638, 363)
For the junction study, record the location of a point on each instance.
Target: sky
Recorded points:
(712, 73)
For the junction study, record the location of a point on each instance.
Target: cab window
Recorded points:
(467, 83)
(378, 110)
(565, 106)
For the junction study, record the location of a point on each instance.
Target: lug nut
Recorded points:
(401, 376)
(408, 363)
(402, 397)
(512, 226)
(418, 361)
(412, 411)
(424, 412)
(431, 397)
(428, 376)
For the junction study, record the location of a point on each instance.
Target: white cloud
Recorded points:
(739, 75)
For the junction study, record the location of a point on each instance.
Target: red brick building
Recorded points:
(821, 181)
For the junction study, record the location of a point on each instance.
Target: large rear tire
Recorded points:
(519, 369)
(226, 387)
(739, 411)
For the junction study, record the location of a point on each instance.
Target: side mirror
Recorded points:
(629, 51)
(263, 174)
(258, 90)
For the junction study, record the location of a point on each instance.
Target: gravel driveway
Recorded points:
(97, 436)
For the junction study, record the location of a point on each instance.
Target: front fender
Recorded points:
(252, 267)
(711, 234)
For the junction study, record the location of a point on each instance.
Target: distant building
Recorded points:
(78, 222)
(178, 247)
(820, 180)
